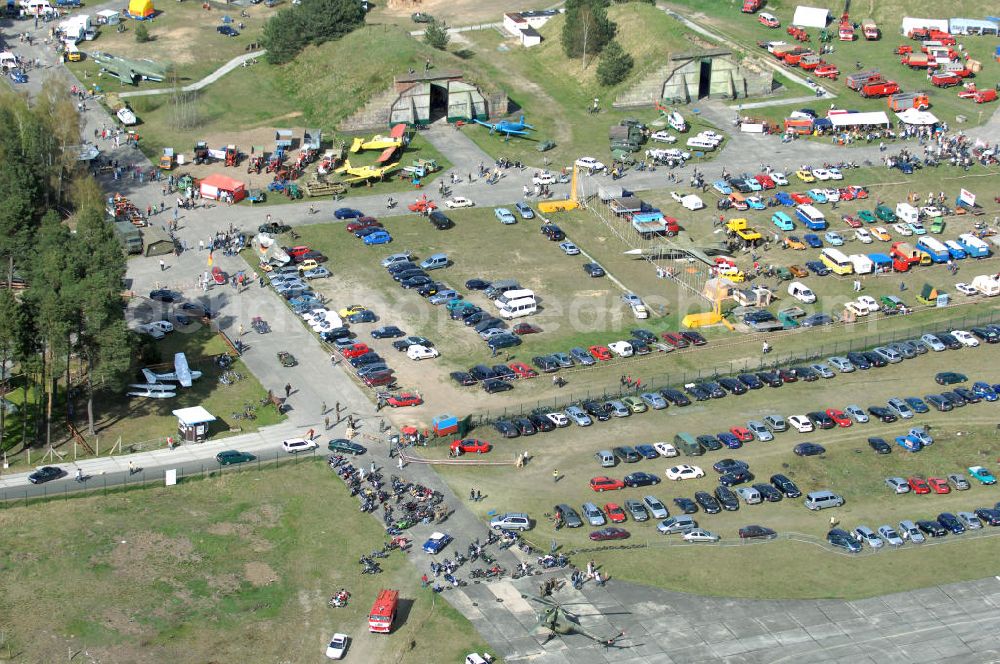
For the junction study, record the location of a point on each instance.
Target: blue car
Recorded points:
(18, 76)
(348, 213)
(722, 187)
(436, 542)
(366, 316)
(817, 195)
(524, 210)
(504, 215)
(917, 404)
(729, 440)
(782, 221)
(755, 203)
(647, 451)
(834, 238)
(752, 184)
(817, 268)
(984, 391)
(812, 240)
(909, 443)
(381, 237)
(784, 199)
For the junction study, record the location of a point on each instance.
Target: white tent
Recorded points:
(859, 119)
(811, 17)
(910, 23)
(912, 116)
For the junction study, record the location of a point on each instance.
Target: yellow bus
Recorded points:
(836, 261)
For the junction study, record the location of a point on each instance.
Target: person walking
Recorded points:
(288, 390)
(163, 266)
(555, 475)
(323, 409)
(326, 423)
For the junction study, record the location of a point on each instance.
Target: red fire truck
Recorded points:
(383, 612)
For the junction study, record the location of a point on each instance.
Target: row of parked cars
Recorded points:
(916, 532)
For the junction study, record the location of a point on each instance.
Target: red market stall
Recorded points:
(219, 187)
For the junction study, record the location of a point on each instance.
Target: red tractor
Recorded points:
(255, 164)
(232, 155)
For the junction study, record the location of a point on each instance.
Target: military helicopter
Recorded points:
(559, 621)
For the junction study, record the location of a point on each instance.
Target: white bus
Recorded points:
(811, 217)
(511, 295)
(517, 308)
(836, 261)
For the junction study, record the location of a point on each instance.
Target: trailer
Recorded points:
(987, 285)
(974, 246)
(870, 29)
(917, 60)
(857, 80)
(810, 62)
(905, 255)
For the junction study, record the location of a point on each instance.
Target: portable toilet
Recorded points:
(445, 425)
(193, 423)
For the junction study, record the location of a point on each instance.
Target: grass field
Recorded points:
(850, 468)
(231, 568)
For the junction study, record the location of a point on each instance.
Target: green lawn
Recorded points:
(210, 570)
(850, 468)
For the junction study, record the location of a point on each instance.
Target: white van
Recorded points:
(525, 306)
(516, 294)
(818, 500)
(701, 144)
(907, 213)
(296, 445)
(801, 292)
(862, 264)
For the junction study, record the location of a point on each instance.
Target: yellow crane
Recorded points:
(571, 203)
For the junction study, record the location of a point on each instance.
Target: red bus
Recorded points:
(383, 612)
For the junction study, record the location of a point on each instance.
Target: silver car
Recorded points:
(933, 343)
(776, 423)
(908, 530)
(750, 495)
(889, 534)
(857, 413)
(841, 364)
(959, 482)
(564, 360)
(823, 370)
(897, 484)
(900, 408)
(866, 535)
(888, 354)
(578, 416)
(656, 508)
(676, 524)
(593, 514)
(760, 431)
(618, 409)
(582, 356)
(917, 346)
(654, 400)
(969, 520)
(636, 510)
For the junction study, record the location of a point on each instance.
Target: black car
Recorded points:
(809, 449)
(676, 397)
(525, 426)
(462, 313)
(986, 334)
(541, 422)
(939, 402)
(787, 487)
(506, 428)
(770, 378)
(489, 322)
(699, 392)
(875, 359)
(474, 319)
(374, 369)
(477, 284)
(227, 31)
(968, 395)
(227, 457)
(859, 361)
(403, 275)
(729, 465)
(345, 446)
(493, 385)
(46, 474)
(639, 347)
(882, 414)
(402, 344)
(415, 282)
(387, 332)
(371, 357)
(627, 453)
(505, 340)
(714, 389)
(989, 516)
(727, 498)
(482, 372)
(164, 295)
(768, 493)
(644, 335)
(751, 381)
(553, 232)
(597, 409)
(709, 442)
(756, 532)
(821, 419)
(593, 269)
(733, 385)
(440, 220)
(503, 372)
(273, 228)
(462, 378)
(949, 340)
(918, 406)
(879, 445)
(432, 288)
(641, 479)
(951, 522)
(342, 332)
(368, 230)
(396, 268)
(707, 502)
(954, 398)
(807, 374)
(545, 363)
(932, 528)
(842, 539)
(736, 477)
(686, 505)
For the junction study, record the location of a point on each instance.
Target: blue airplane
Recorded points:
(519, 128)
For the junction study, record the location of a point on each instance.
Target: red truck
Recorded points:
(827, 71)
(870, 29)
(751, 6)
(857, 80)
(810, 61)
(383, 612)
(879, 88)
(917, 60)
(945, 80)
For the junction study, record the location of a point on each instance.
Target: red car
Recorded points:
(847, 194)
(615, 513)
(918, 485)
(801, 199)
(297, 251)
(363, 222)
(404, 399)
(742, 433)
(839, 417)
(853, 222)
(600, 352)
(469, 446)
(606, 484)
(675, 340)
(609, 533)
(522, 370)
(939, 484)
(357, 350)
(764, 180)
(859, 192)
(526, 328)
(787, 376)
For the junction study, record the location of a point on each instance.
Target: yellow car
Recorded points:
(353, 309)
(793, 242)
(881, 234)
(307, 265)
(805, 176)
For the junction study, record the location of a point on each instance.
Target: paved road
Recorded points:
(198, 85)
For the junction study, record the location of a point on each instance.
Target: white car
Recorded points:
(164, 326)
(421, 353)
(832, 195)
(640, 311)
(862, 236)
(338, 644)
(856, 309)
(621, 348)
(966, 289)
(665, 449)
(458, 202)
(835, 174)
(544, 178)
(967, 339)
(801, 423)
(569, 248)
(779, 179)
(930, 211)
(590, 163)
(902, 229)
(295, 445)
(700, 535)
(558, 419)
(663, 136)
(151, 330)
(821, 174)
(684, 472)
(868, 301)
